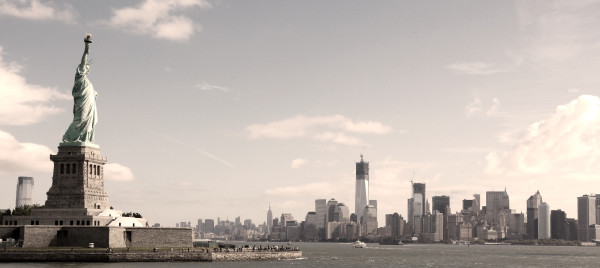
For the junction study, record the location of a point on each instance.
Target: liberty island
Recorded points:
(77, 213)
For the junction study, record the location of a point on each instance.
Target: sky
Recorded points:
(219, 108)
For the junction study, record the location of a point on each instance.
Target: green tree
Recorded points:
(132, 214)
(25, 210)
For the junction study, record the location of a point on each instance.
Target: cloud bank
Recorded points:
(22, 103)
(117, 172)
(36, 10)
(159, 19)
(565, 143)
(334, 128)
(21, 158)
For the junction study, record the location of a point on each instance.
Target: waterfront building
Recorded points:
(311, 233)
(433, 227)
(370, 220)
(496, 201)
(321, 210)
(342, 213)
(586, 216)
(532, 215)
(25, 194)
(558, 224)
(396, 224)
(292, 233)
(544, 221)
(361, 196)
(269, 219)
(516, 225)
(454, 221)
(465, 232)
(331, 208)
(335, 230)
(571, 229)
(442, 205)
(498, 211)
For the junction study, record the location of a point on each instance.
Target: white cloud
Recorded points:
(36, 10)
(565, 143)
(474, 68)
(573, 90)
(476, 108)
(22, 103)
(299, 162)
(334, 128)
(206, 86)
(160, 19)
(117, 172)
(19, 158)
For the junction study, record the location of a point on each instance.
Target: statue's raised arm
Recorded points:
(85, 116)
(86, 51)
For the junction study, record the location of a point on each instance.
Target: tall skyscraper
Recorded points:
(373, 203)
(285, 218)
(361, 197)
(321, 210)
(477, 203)
(200, 226)
(532, 215)
(311, 232)
(418, 207)
(544, 221)
(496, 201)
(370, 220)
(396, 224)
(342, 213)
(209, 226)
(440, 203)
(331, 208)
(269, 219)
(25, 194)
(558, 224)
(586, 216)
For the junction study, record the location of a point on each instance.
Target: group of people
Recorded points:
(273, 248)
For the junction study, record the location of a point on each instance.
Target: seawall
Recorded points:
(161, 256)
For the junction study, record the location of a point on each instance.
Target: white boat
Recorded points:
(359, 244)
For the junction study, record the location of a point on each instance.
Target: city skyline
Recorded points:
(246, 104)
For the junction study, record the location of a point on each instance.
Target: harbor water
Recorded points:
(411, 255)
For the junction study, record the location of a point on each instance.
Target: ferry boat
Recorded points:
(359, 244)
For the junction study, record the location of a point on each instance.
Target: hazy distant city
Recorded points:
(429, 222)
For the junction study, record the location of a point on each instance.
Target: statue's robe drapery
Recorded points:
(85, 115)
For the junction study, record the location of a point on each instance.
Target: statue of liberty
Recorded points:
(85, 116)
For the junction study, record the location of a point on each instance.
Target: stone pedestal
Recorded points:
(78, 179)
